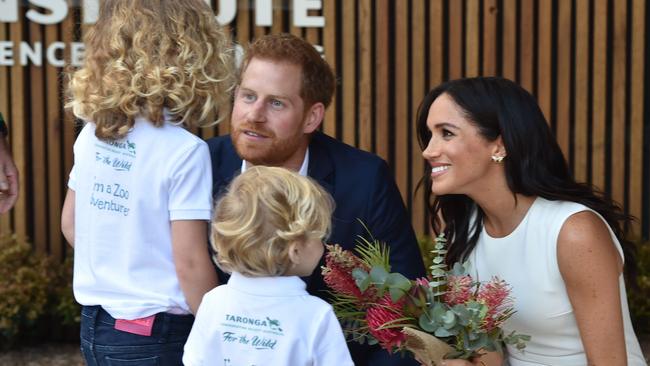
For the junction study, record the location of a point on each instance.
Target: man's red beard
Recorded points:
(271, 151)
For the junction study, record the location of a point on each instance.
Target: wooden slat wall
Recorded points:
(584, 60)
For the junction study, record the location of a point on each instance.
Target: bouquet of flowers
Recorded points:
(448, 314)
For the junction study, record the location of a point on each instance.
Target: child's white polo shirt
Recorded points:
(127, 192)
(254, 321)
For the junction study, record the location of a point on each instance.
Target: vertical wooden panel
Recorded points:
(526, 44)
(292, 28)
(349, 74)
(510, 39)
(472, 62)
(5, 219)
(544, 74)
(55, 172)
(564, 77)
(69, 136)
(400, 76)
(278, 17)
(418, 86)
(365, 77)
(312, 36)
(581, 104)
(455, 39)
(489, 40)
(637, 91)
(599, 93)
(382, 85)
(618, 101)
(243, 23)
(252, 11)
(329, 45)
(436, 34)
(36, 91)
(19, 133)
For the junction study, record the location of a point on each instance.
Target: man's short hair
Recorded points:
(318, 81)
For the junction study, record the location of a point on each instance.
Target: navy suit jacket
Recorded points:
(363, 188)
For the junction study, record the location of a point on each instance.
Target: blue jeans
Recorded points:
(103, 345)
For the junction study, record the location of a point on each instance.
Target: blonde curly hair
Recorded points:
(145, 56)
(263, 212)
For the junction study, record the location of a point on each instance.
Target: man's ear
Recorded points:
(314, 117)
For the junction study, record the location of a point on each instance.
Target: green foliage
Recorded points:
(438, 267)
(639, 298)
(375, 254)
(34, 291)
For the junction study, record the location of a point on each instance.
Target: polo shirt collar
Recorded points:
(268, 286)
(303, 168)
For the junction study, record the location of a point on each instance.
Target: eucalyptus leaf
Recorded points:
(361, 278)
(449, 319)
(399, 281)
(458, 270)
(427, 323)
(439, 293)
(378, 275)
(438, 272)
(395, 294)
(438, 311)
(443, 332)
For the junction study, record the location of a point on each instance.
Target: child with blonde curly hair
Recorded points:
(139, 198)
(267, 231)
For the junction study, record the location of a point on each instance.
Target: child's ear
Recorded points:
(294, 252)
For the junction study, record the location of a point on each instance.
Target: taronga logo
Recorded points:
(272, 324)
(128, 145)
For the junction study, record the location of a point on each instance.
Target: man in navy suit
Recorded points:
(284, 89)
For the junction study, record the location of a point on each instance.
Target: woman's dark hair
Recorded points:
(534, 166)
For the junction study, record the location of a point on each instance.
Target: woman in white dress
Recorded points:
(503, 194)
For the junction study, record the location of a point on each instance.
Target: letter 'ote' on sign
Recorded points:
(264, 12)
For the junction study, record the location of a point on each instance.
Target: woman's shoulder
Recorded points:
(557, 206)
(585, 234)
(554, 214)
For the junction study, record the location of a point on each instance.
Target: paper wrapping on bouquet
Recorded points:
(428, 350)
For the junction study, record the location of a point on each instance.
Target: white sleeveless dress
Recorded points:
(527, 260)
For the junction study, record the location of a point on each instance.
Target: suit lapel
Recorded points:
(227, 168)
(321, 166)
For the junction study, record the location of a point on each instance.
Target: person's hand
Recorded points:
(457, 362)
(8, 179)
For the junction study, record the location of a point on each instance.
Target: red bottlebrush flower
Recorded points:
(337, 271)
(385, 312)
(496, 295)
(459, 289)
(339, 279)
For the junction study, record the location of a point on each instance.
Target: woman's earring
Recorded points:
(497, 158)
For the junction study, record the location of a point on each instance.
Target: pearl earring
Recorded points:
(497, 158)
